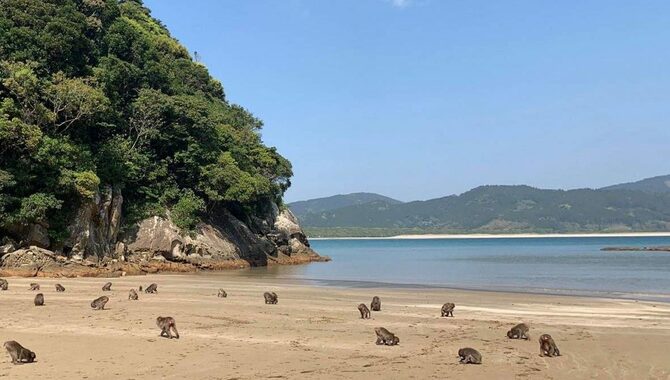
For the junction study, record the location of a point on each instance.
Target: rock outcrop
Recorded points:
(96, 248)
(95, 228)
(291, 240)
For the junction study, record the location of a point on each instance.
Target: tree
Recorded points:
(74, 100)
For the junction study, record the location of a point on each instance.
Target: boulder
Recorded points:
(7, 248)
(286, 225)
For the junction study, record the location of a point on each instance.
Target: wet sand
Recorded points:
(316, 332)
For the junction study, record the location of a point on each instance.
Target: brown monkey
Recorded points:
(386, 337)
(365, 312)
(153, 288)
(39, 299)
(132, 295)
(271, 298)
(376, 304)
(470, 356)
(140, 288)
(222, 294)
(107, 287)
(34, 286)
(519, 331)
(99, 303)
(4, 285)
(166, 324)
(448, 309)
(60, 288)
(548, 346)
(19, 353)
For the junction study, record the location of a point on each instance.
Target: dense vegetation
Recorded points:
(500, 209)
(96, 93)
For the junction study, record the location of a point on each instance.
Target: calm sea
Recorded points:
(538, 265)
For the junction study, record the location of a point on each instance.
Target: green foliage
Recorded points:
(34, 208)
(186, 212)
(85, 184)
(119, 163)
(96, 93)
(74, 100)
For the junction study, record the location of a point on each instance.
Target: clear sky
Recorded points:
(417, 99)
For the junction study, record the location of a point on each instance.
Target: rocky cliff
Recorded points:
(96, 247)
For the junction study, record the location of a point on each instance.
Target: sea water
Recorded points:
(555, 265)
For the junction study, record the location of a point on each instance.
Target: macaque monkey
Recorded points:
(386, 337)
(271, 298)
(376, 304)
(548, 346)
(166, 324)
(99, 303)
(448, 309)
(469, 356)
(365, 312)
(19, 353)
(519, 331)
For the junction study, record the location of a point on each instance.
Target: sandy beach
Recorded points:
(501, 236)
(316, 332)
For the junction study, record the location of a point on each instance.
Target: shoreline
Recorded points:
(316, 332)
(501, 236)
(378, 285)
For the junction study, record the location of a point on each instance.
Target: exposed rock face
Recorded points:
(280, 240)
(159, 237)
(291, 239)
(37, 235)
(96, 225)
(155, 244)
(30, 234)
(7, 248)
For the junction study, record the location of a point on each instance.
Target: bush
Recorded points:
(186, 212)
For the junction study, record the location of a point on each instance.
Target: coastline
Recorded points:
(501, 236)
(316, 332)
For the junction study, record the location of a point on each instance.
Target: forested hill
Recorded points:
(97, 97)
(501, 209)
(660, 184)
(319, 205)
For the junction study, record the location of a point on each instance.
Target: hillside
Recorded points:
(660, 184)
(116, 143)
(501, 209)
(319, 205)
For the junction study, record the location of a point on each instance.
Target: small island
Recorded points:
(637, 249)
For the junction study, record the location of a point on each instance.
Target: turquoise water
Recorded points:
(538, 265)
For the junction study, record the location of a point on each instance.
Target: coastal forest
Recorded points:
(95, 95)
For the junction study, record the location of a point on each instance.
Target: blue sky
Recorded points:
(417, 99)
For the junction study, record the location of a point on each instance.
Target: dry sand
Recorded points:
(315, 332)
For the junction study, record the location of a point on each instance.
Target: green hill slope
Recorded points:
(502, 209)
(319, 205)
(660, 184)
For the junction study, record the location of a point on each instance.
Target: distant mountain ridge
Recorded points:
(337, 201)
(660, 184)
(638, 206)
